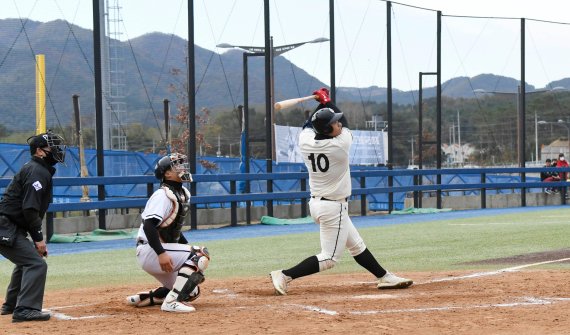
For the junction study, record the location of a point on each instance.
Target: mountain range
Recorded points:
(152, 67)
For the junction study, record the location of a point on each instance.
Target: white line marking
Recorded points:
(503, 223)
(539, 263)
(222, 291)
(70, 306)
(226, 292)
(376, 296)
(529, 301)
(62, 316)
(492, 273)
(314, 309)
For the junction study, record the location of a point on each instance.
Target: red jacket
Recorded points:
(562, 163)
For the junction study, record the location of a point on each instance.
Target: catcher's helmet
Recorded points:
(175, 161)
(322, 120)
(55, 142)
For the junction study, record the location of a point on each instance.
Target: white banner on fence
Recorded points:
(368, 147)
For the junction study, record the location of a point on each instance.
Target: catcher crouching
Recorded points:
(162, 249)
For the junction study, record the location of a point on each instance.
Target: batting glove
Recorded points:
(322, 95)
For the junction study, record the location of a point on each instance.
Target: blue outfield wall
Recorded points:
(124, 163)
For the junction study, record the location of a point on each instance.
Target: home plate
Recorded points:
(376, 296)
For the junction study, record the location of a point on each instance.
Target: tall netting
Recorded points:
(145, 61)
(480, 58)
(483, 116)
(34, 28)
(547, 110)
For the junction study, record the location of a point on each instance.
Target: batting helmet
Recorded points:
(323, 119)
(175, 161)
(55, 142)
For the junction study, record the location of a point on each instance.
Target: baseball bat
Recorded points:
(291, 102)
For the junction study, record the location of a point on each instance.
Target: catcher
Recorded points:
(162, 250)
(325, 143)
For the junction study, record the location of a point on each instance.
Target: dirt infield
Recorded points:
(487, 302)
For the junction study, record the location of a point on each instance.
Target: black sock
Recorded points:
(367, 261)
(305, 268)
(160, 292)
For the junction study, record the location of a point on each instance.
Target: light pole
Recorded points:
(412, 146)
(535, 138)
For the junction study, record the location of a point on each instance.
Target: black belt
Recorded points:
(325, 199)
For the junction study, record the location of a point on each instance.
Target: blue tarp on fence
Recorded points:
(124, 163)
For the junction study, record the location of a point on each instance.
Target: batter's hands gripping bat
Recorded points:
(292, 102)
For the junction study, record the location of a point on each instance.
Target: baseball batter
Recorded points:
(325, 143)
(162, 249)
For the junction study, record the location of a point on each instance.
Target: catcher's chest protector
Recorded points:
(170, 228)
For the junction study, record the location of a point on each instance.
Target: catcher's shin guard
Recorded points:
(185, 284)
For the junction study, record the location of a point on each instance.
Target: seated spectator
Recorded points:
(562, 163)
(549, 177)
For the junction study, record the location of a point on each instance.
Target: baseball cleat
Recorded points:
(279, 281)
(390, 280)
(177, 306)
(6, 309)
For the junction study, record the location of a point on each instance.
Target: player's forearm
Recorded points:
(149, 227)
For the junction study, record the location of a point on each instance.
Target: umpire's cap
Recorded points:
(323, 119)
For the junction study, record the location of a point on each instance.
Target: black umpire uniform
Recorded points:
(22, 209)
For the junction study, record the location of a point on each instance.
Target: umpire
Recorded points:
(22, 209)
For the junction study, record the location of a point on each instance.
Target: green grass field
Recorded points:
(425, 246)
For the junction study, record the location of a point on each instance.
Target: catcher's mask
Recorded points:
(55, 142)
(175, 161)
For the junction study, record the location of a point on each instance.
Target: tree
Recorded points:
(179, 142)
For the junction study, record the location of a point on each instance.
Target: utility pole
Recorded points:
(459, 138)
(536, 138)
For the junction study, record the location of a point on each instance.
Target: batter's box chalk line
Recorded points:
(225, 291)
(376, 296)
(62, 316)
(314, 309)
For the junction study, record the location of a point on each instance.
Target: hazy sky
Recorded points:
(471, 46)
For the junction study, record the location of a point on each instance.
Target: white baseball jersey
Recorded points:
(329, 177)
(328, 164)
(159, 206)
